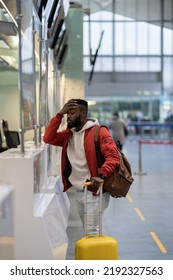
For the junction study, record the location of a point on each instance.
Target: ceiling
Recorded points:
(8, 27)
(8, 36)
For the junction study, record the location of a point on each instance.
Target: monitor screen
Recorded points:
(57, 26)
(55, 7)
(39, 4)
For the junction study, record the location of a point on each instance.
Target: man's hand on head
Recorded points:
(71, 104)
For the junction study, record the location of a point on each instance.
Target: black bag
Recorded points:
(119, 182)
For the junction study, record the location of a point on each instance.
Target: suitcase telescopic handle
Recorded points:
(98, 179)
(86, 184)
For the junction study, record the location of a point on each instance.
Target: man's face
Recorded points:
(74, 118)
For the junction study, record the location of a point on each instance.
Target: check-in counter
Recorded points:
(41, 208)
(6, 222)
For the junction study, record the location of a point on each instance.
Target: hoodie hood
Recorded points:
(90, 123)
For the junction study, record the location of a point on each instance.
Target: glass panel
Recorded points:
(138, 64)
(27, 82)
(154, 9)
(103, 64)
(103, 15)
(168, 10)
(137, 38)
(167, 73)
(130, 40)
(167, 41)
(154, 39)
(120, 64)
(125, 10)
(119, 38)
(142, 38)
(131, 64)
(130, 9)
(168, 24)
(120, 8)
(121, 18)
(142, 10)
(86, 38)
(106, 47)
(154, 64)
(141, 64)
(106, 44)
(85, 17)
(86, 64)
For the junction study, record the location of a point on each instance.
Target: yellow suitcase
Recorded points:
(96, 246)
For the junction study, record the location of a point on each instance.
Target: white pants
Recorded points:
(92, 209)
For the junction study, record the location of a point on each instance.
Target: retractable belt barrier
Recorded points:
(156, 142)
(155, 130)
(151, 142)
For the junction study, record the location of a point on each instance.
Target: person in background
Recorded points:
(119, 130)
(78, 159)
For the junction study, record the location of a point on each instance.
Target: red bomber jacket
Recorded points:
(61, 138)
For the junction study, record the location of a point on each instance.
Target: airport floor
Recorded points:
(142, 222)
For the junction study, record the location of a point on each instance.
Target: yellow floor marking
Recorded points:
(141, 216)
(158, 242)
(129, 198)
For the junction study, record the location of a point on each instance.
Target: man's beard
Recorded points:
(75, 123)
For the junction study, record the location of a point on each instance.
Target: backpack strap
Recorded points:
(97, 146)
(96, 133)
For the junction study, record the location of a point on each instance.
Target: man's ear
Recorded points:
(83, 113)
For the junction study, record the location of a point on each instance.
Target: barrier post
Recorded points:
(140, 159)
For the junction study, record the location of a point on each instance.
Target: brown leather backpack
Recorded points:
(119, 182)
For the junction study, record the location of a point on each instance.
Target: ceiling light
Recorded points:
(91, 102)
(146, 92)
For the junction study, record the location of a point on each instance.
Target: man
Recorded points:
(119, 130)
(79, 162)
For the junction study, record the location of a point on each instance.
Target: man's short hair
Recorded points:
(82, 102)
(116, 114)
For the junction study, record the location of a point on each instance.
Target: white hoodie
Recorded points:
(76, 155)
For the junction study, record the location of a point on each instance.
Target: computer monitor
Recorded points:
(12, 139)
(57, 25)
(39, 4)
(52, 12)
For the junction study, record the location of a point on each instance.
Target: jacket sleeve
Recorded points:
(51, 135)
(109, 151)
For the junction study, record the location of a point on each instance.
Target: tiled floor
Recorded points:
(143, 221)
